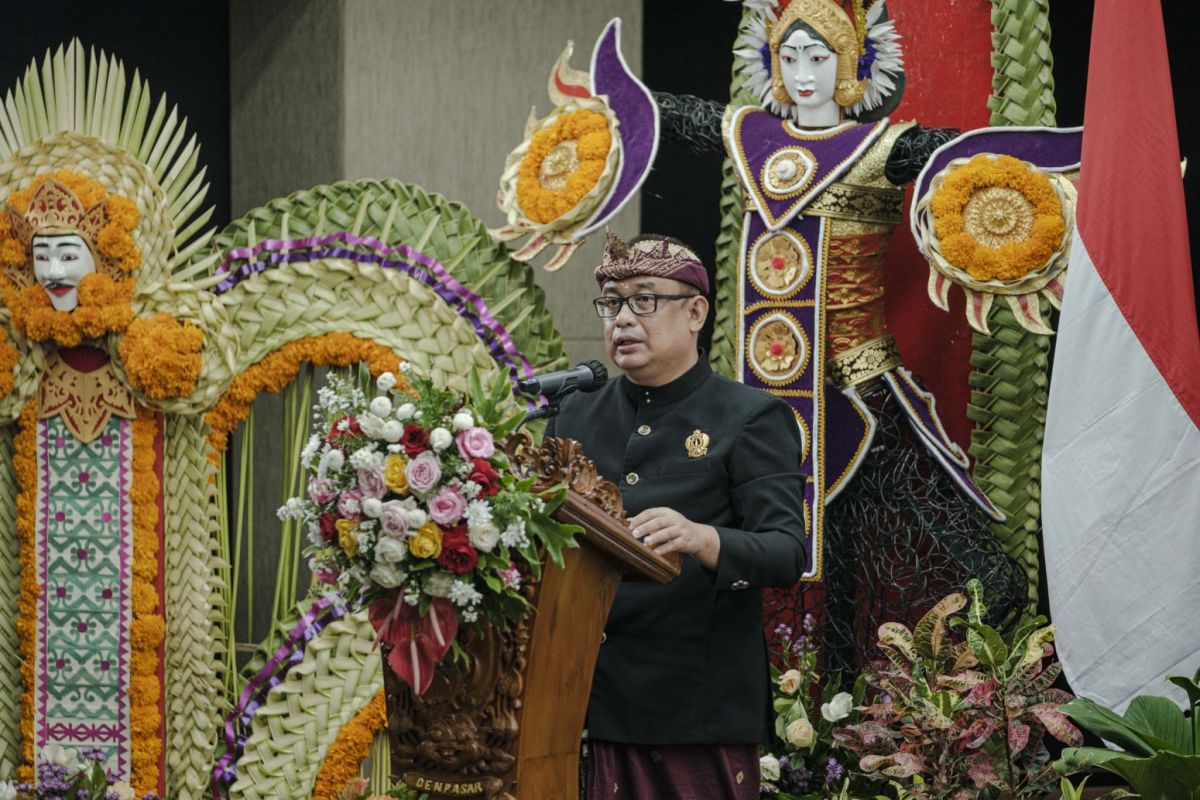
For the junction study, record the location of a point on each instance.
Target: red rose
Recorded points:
(336, 433)
(458, 556)
(328, 525)
(415, 439)
(484, 474)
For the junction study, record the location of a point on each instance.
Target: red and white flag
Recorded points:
(1121, 463)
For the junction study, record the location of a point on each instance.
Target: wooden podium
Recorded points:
(508, 727)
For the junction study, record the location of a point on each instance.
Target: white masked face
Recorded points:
(809, 70)
(59, 264)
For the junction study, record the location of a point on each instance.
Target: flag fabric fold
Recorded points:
(1121, 458)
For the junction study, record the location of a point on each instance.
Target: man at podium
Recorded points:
(710, 469)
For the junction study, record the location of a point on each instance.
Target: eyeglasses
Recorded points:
(609, 306)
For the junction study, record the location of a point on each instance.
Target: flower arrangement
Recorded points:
(414, 510)
(802, 762)
(63, 774)
(997, 218)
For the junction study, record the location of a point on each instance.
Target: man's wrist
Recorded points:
(710, 553)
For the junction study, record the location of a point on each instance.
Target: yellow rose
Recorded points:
(393, 474)
(800, 733)
(345, 529)
(427, 542)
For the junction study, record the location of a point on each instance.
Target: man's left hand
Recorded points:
(665, 530)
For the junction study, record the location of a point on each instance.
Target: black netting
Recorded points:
(897, 540)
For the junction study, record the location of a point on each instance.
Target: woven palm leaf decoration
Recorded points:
(79, 109)
(1010, 365)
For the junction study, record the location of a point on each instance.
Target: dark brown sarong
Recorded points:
(672, 772)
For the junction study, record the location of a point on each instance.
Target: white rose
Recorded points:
(387, 380)
(462, 421)
(388, 576)
(123, 791)
(790, 681)
(440, 439)
(390, 550)
(800, 733)
(334, 460)
(483, 537)
(439, 584)
(372, 507)
(405, 411)
(416, 518)
(381, 406)
(371, 425)
(768, 766)
(838, 707)
(391, 431)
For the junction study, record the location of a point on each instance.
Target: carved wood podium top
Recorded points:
(592, 502)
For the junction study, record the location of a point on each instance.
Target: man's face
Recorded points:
(59, 264)
(655, 348)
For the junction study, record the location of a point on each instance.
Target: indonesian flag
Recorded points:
(1121, 463)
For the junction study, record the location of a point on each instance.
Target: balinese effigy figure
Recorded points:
(821, 170)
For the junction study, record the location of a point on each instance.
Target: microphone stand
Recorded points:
(547, 411)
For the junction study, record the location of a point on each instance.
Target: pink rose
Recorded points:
(371, 482)
(423, 472)
(475, 443)
(350, 504)
(447, 507)
(322, 491)
(328, 575)
(394, 519)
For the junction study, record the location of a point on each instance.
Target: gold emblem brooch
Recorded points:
(697, 444)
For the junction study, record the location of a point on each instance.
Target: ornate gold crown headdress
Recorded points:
(870, 75)
(832, 23)
(55, 210)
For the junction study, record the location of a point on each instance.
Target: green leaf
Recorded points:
(1165, 776)
(475, 389)
(988, 644)
(1189, 686)
(931, 630)
(1163, 720)
(1108, 725)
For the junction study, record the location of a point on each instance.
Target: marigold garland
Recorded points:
(8, 362)
(352, 745)
(161, 356)
(280, 367)
(148, 626)
(105, 306)
(1009, 261)
(589, 132)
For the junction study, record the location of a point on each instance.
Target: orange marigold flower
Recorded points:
(162, 356)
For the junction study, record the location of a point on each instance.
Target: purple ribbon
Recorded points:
(288, 655)
(469, 305)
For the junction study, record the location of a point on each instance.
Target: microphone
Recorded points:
(586, 377)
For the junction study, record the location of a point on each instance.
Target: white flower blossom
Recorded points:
(470, 489)
(371, 425)
(440, 439)
(483, 537)
(389, 576)
(514, 535)
(381, 406)
(333, 460)
(372, 507)
(439, 584)
(469, 615)
(310, 451)
(366, 458)
(390, 551)
(292, 509)
(405, 367)
(59, 756)
(416, 518)
(463, 420)
(314, 534)
(418, 414)
(838, 707)
(464, 594)
(405, 411)
(385, 382)
(8, 791)
(478, 511)
(412, 596)
(391, 432)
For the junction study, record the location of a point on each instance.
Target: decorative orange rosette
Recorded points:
(996, 225)
(578, 166)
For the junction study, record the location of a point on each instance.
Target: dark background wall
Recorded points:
(181, 48)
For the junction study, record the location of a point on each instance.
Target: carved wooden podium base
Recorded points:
(508, 726)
